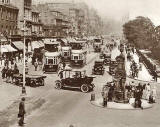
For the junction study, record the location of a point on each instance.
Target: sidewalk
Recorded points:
(143, 74)
(10, 96)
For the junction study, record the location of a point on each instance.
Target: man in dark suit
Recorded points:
(22, 111)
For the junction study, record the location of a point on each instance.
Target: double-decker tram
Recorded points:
(97, 44)
(65, 50)
(78, 53)
(52, 57)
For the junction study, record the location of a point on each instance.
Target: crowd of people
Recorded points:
(132, 90)
(8, 73)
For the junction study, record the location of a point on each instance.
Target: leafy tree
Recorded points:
(140, 32)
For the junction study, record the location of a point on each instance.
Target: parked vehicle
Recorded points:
(31, 80)
(98, 67)
(75, 79)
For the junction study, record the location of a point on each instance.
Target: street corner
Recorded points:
(121, 106)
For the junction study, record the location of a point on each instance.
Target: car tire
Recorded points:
(84, 88)
(58, 85)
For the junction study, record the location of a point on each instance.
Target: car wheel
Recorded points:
(84, 88)
(58, 85)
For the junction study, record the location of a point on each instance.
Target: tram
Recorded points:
(52, 57)
(97, 44)
(65, 50)
(78, 53)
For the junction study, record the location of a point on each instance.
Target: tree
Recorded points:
(140, 32)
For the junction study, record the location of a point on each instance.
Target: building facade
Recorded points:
(37, 31)
(25, 11)
(8, 19)
(55, 22)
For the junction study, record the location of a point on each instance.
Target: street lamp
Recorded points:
(24, 57)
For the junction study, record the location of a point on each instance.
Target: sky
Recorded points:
(117, 9)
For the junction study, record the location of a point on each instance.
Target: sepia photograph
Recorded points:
(79, 63)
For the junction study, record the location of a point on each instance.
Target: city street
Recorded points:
(79, 63)
(67, 107)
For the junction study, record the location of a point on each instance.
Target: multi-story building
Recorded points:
(25, 11)
(37, 30)
(8, 19)
(55, 22)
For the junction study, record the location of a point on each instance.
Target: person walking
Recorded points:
(4, 72)
(22, 112)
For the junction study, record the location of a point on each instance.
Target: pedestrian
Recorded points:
(105, 96)
(36, 65)
(154, 94)
(60, 74)
(148, 91)
(22, 112)
(7, 74)
(4, 72)
(11, 74)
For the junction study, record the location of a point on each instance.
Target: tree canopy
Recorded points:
(140, 32)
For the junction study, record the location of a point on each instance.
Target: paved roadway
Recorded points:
(66, 107)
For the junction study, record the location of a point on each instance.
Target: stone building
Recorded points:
(8, 18)
(37, 30)
(25, 11)
(55, 22)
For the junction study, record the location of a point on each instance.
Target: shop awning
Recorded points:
(37, 44)
(7, 48)
(3, 49)
(18, 44)
(41, 44)
(10, 48)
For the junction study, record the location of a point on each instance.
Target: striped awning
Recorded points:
(37, 44)
(7, 48)
(18, 44)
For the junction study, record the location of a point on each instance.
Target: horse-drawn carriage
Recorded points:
(31, 80)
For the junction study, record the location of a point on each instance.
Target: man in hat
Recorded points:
(22, 111)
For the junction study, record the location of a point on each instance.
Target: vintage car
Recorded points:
(31, 80)
(98, 67)
(75, 79)
(107, 59)
(112, 66)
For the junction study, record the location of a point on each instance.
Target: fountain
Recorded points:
(120, 79)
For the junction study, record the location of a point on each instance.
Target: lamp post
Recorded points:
(24, 57)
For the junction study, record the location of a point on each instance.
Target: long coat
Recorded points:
(22, 108)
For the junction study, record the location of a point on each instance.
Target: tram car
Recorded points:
(52, 57)
(65, 50)
(97, 45)
(78, 53)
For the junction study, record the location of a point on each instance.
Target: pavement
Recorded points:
(121, 106)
